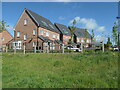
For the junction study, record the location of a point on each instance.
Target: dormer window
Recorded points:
(25, 21)
(34, 32)
(18, 34)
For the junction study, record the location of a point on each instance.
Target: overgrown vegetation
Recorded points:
(83, 70)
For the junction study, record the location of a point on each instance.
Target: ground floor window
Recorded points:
(17, 44)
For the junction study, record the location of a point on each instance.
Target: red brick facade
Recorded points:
(5, 37)
(28, 30)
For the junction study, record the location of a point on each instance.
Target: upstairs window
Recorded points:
(53, 36)
(2, 39)
(18, 34)
(78, 39)
(25, 36)
(82, 40)
(41, 32)
(47, 33)
(34, 32)
(25, 21)
(87, 40)
(56, 36)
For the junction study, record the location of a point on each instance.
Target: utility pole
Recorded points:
(118, 25)
(118, 33)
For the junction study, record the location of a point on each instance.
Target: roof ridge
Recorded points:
(37, 14)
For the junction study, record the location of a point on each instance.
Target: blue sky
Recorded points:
(99, 16)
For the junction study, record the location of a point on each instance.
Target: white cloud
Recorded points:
(99, 38)
(101, 29)
(88, 23)
(61, 18)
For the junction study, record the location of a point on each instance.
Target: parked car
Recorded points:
(116, 49)
(74, 48)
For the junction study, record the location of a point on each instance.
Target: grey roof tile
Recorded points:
(45, 39)
(63, 29)
(42, 22)
(81, 33)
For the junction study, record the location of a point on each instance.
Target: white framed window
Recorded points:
(45, 44)
(41, 32)
(34, 43)
(78, 39)
(53, 36)
(47, 33)
(66, 38)
(82, 40)
(18, 34)
(56, 36)
(25, 36)
(87, 40)
(17, 44)
(2, 39)
(34, 32)
(25, 21)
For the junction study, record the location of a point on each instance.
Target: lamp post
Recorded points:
(118, 32)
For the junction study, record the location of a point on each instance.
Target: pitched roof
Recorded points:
(45, 39)
(63, 29)
(81, 33)
(41, 21)
(58, 41)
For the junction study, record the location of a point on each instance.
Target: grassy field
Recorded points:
(83, 70)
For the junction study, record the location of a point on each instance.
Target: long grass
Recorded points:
(83, 70)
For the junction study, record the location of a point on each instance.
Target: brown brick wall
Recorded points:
(50, 33)
(64, 39)
(7, 37)
(26, 29)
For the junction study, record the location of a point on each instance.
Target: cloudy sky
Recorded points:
(99, 16)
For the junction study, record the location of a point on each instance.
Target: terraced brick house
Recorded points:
(6, 39)
(34, 30)
(65, 34)
(82, 36)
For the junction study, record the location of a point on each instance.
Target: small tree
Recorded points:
(93, 35)
(3, 25)
(115, 33)
(86, 35)
(109, 42)
(72, 30)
